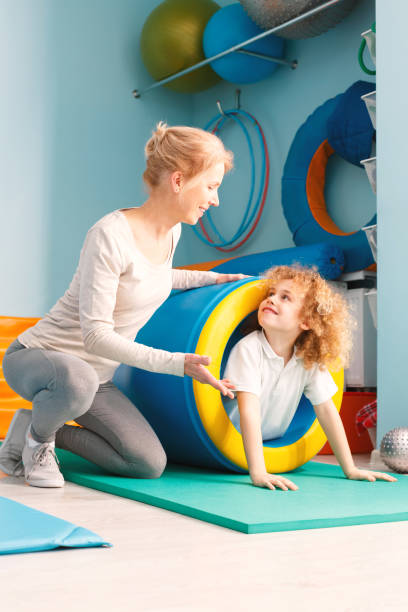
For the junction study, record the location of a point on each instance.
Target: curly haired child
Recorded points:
(304, 328)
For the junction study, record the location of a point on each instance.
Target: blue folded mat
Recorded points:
(23, 529)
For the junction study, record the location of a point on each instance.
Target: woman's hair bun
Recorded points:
(160, 131)
(154, 143)
(187, 149)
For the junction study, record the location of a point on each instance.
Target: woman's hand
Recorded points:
(357, 474)
(194, 366)
(229, 278)
(271, 481)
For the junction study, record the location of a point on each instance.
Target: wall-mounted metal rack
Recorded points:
(238, 48)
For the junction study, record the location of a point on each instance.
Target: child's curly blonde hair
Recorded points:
(325, 311)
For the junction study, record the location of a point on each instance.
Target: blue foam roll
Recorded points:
(328, 258)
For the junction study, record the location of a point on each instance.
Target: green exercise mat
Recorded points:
(325, 498)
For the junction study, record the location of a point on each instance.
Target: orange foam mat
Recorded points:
(10, 328)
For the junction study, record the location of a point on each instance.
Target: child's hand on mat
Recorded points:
(356, 474)
(229, 278)
(271, 481)
(194, 366)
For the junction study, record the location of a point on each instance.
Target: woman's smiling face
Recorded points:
(203, 193)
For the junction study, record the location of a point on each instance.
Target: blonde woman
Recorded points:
(303, 327)
(65, 363)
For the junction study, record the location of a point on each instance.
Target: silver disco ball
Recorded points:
(394, 449)
(270, 13)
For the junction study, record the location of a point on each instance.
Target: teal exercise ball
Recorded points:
(171, 41)
(228, 27)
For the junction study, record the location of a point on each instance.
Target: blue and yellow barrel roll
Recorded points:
(188, 417)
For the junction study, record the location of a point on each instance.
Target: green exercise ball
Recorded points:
(171, 40)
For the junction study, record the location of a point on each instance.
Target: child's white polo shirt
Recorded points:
(253, 366)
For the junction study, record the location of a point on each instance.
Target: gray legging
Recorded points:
(63, 387)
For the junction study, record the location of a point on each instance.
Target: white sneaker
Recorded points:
(41, 464)
(12, 447)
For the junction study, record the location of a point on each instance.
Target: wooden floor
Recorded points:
(165, 562)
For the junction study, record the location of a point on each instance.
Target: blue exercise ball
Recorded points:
(230, 26)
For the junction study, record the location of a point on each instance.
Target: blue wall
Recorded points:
(25, 155)
(392, 96)
(327, 66)
(72, 135)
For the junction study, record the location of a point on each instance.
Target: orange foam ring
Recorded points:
(315, 182)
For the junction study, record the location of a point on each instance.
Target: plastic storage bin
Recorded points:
(372, 302)
(370, 100)
(369, 37)
(371, 233)
(362, 370)
(370, 166)
(352, 402)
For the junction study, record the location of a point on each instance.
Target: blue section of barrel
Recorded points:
(167, 402)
